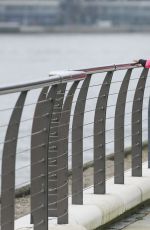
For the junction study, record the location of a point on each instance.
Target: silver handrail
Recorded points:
(58, 77)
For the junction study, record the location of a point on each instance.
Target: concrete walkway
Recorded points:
(141, 224)
(139, 220)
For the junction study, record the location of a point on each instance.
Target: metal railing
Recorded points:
(72, 117)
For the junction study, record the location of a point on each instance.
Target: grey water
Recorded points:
(31, 57)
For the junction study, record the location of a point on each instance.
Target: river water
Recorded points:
(26, 58)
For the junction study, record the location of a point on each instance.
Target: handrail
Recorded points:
(114, 67)
(62, 77)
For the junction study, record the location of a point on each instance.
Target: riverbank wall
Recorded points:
(73, 29)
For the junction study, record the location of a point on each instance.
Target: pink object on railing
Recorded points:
(147, 64)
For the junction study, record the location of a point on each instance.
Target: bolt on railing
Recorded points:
(59, 124)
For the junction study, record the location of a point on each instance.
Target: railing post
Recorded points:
(39, 158)
(99, 136)
(53, 151)
(77, 144)
(8, 166)
(137, 125)
(62, 159)
(119, 130)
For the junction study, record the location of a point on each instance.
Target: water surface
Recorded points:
(26, 58)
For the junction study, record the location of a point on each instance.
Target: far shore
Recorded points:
(4, 29)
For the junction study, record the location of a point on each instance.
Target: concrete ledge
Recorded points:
(142, 183)
(130, 194)
(109, 205)
(24, 224)
(59, 227)
(66, 227)
(98, 210)
(89, 216)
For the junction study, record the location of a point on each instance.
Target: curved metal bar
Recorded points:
(77, 147)
(62, 162)
(8, 166)
(39, 171)
(99, 136)
(53, 151)
(149, 134)
(56, 78)
(119, 132)
(137, 125)
(110, 68)
(60, 77)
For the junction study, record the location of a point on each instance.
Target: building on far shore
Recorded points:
(82, 13)
(118, 12)
(29, 12)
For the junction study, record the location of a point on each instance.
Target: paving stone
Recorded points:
(120, 225)
(140, 216)
(139, 225)
(139, 221)
(147, 218)
(129, 219)
(147, 209)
